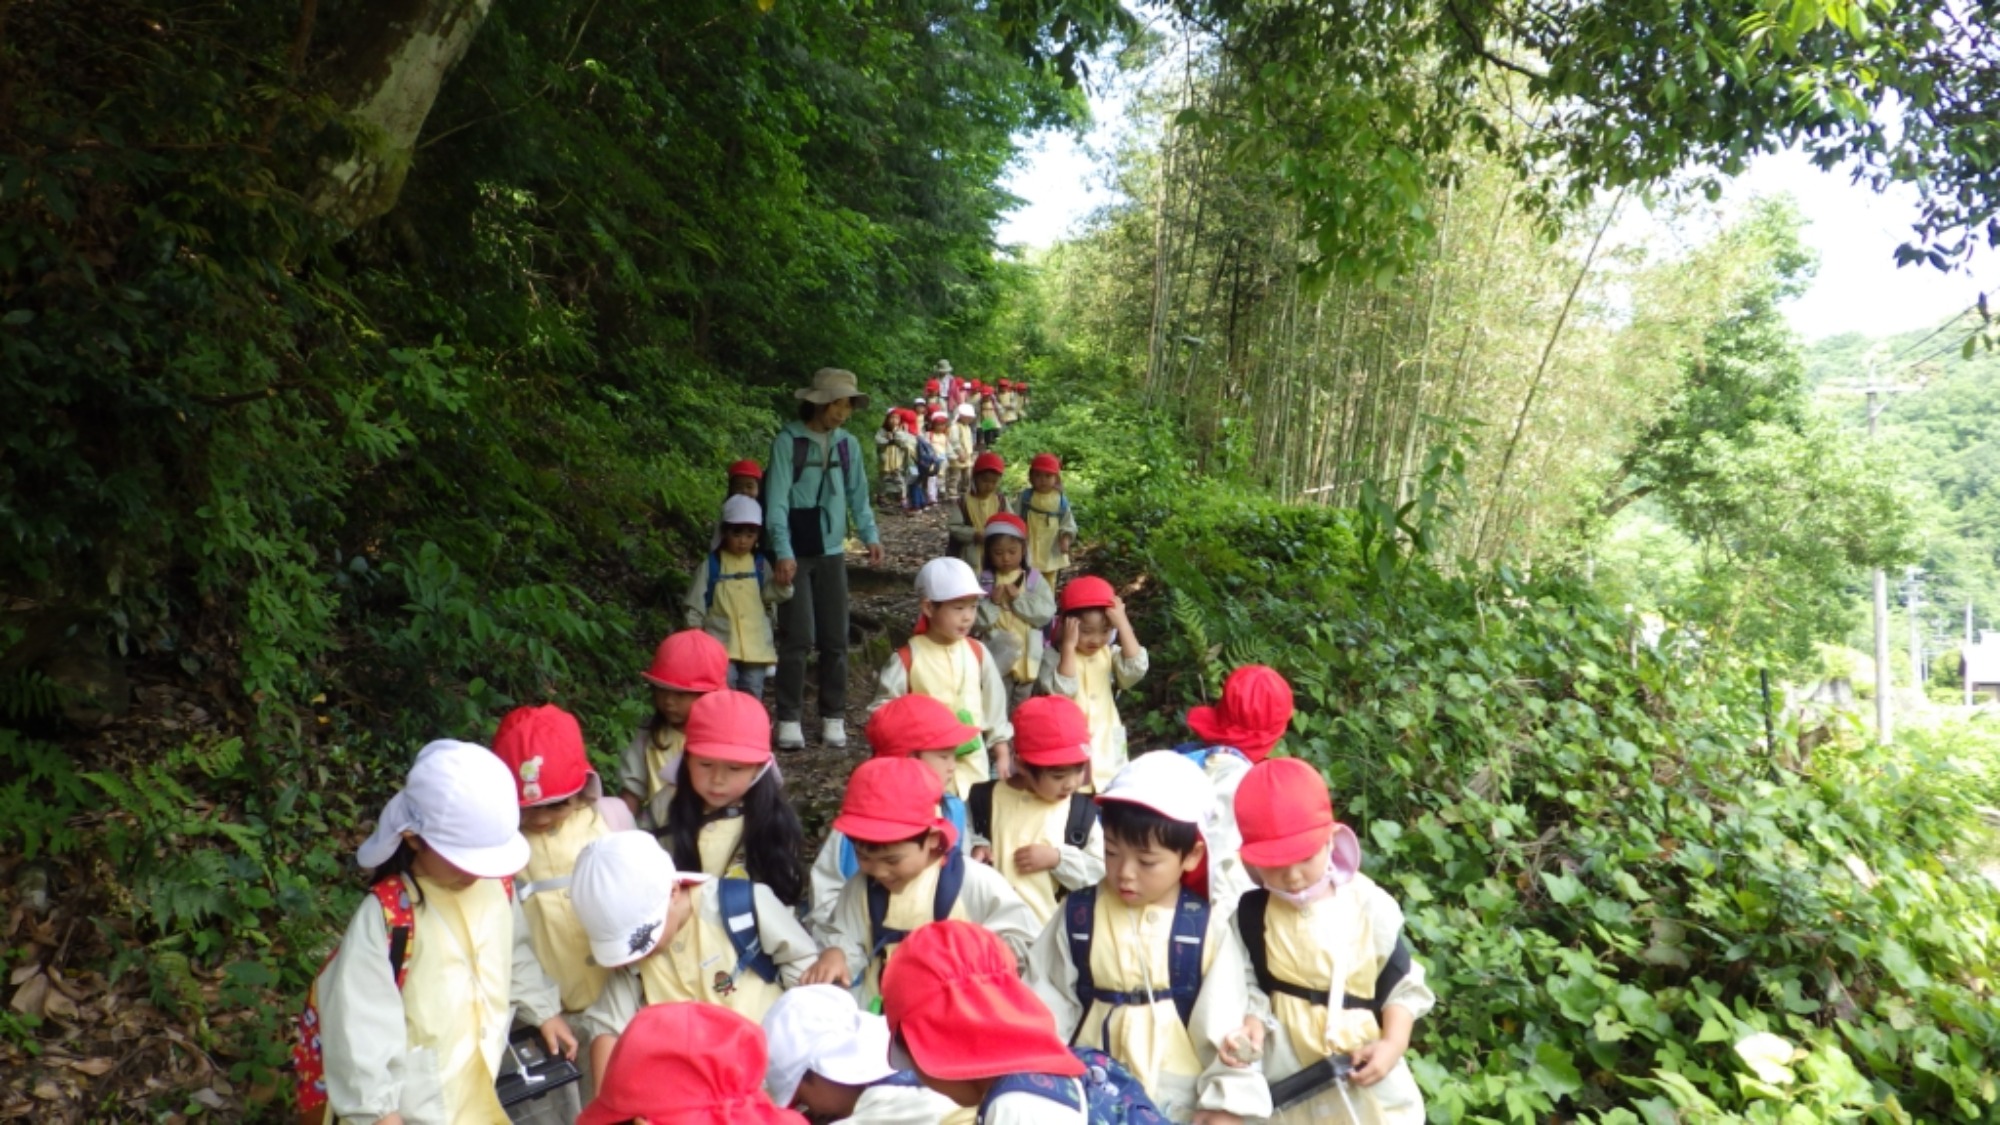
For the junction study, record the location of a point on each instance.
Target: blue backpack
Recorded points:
(950, 881)
(1111, 1095)
(715, 575)
(850, 864)
(737, 901)
(1184, 949)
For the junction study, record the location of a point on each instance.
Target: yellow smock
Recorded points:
(665, 742)
(1128, 953)
(559, 939)
(741, 600)
(720, 843)
(1095, 695)
(694, 964)
(455, 998)
(1021, 818)
(909, 908)
(950, 675)
(1023, 671)
(1044, 519)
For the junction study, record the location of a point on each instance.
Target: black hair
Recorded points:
(1138, 826)
(917, 839)
(1036, 772)
(401, 863)
(986, 557)
(808, 411)
(772, 836)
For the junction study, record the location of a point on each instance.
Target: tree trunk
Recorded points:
(385, 74)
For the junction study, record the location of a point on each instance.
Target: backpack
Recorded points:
(1076, 831)
(1250, 910)
(308, 1064)
(1062, 506)
(1184, 954)
(927, 456)
(850, 863)
(1111, 1095)
(802, 445)
(736, 901)
(950, 882)
(715, 575)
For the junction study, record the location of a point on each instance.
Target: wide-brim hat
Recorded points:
(831, 384)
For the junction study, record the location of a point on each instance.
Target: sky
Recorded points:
(1858, 288)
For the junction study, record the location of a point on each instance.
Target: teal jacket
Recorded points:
(836, 500)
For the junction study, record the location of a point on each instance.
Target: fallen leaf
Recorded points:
(29, 997)
(47, 1091)
(59, 1006)
(96, 1068)
(210, 1098)
(23, 972)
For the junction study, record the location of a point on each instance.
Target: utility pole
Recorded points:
(1884, 728)
(1912, 600)
(1965, 659)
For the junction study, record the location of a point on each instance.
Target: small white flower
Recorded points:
(1770, 1056)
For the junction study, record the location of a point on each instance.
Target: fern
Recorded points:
(29, 694)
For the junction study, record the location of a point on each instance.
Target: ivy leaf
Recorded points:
(1554, 1072)
(1564, 888)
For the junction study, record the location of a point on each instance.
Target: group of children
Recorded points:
(927, 450)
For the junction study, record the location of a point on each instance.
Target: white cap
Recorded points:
(460, 798)
(818, 1029)
(742, 509)
(1167, 783)
(622, 886)
(947, 579)
(965, 410)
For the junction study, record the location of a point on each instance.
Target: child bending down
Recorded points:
(1099, 655)
(732, 592)
(687, 1064)
(830, 1061)
(1326, 946)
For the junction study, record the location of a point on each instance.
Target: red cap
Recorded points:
(891, 799)
(687, 1064)
(729, 726)
(690, 660)
(911, 724)
(1087, 592)
(931, 385)
(1255, 710)
(1007, 523)
(989, 462)
(543, 749)
(957, 1006)
(1050, 730)
(747, 468)
(1045, 463)
(1284, 812)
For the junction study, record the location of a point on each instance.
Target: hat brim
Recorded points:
(1283, 851)
(497, 861)
(875, 830)
(741, 753)
(657, 681)
(821, 398)
(1072, 756)
(950, 1061)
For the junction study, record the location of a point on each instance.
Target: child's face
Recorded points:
(1093, 631)
(674, 704)
(1054, 784)
(679, 909)
(721, 784)
(437, 868)
(1295, 878)
(739, 539)
(744, 486)
(1004, 552)
(543, 820)
(1044, 481)
(952, 620)
(823, 1100)
(896, 865)
(1148, 875)
(984, 483)
(941, 762)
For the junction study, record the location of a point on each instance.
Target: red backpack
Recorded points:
(308, 1066)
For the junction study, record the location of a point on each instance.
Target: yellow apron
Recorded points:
(950, 674)
(720, 842)
(1044, 517)
(979, 509)
(1024, 670)
(908, 909)
(455, 998)
(695, 964)
(1095, 684)
(560, 942)
(742, 602)
(665, 742)
(1128, 953)
(1021, 818)
(1331, 941)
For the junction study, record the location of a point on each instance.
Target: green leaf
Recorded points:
(1554, 1072)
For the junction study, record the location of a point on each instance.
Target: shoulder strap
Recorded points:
(903, 654)
(1080, 923)
(950, 881)
(1250, 911)
(1082, 817)
(978, 652)
(1391, 974)
(979, 808)
(800, 446)
(1184, 950)
(737, 903)
(956, 812)
(850, 863)
(846, 464)
(401, 919)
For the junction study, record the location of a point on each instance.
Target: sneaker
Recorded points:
(791, 735)
(833, 732)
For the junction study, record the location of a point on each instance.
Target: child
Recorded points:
(989, 420)
(1141, 965)
(1010, 404)
(727, 813)
(667, 934)
(894, 450)
(966, 520)
(1037, 827)
(912, 873)
(1317, 928)
(909, 726)
(830, 1060)
(746, 478)
(1051, 527)
(1017, 606)
(960, 1019)
(928, 462)
(421, 1032)
(687, 1064)
(1099, 655)
(1021, 392)
(731, 593)
(945, 663)
(939, 438)
(1241, 730)
(958, 471)
(687, 665)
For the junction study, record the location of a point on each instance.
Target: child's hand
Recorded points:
(829, 968)
(1374, 1061)
(1003, 594)
(1003, 760)
(981, 853)
(561, 1040)
(1032, 858)
(1063, 541)
(1072, 629)
(1250, 1036)
(1115, 613)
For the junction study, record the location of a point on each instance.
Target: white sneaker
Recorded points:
(833, 732)
(791, 735)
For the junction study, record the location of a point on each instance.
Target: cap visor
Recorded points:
(863, 1060)
(670, 686)
(500, 861)
(1074, 756)
(731, 752)
(1287, 850)
(873, 830)
(899, 1058)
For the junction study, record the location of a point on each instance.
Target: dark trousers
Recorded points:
(814, 618)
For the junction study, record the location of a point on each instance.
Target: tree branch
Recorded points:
(1478, 44)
